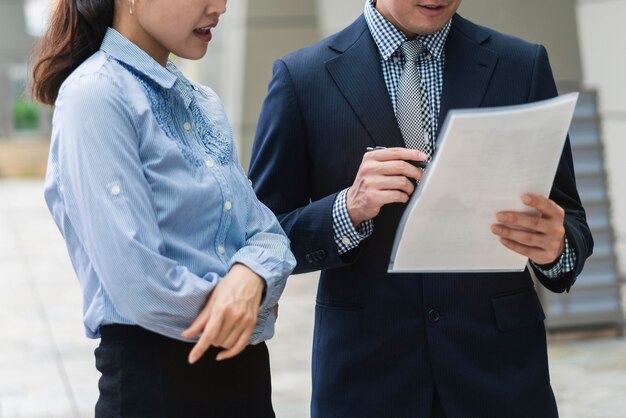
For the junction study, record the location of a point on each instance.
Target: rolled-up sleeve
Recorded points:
(111, 210)
(268, 254)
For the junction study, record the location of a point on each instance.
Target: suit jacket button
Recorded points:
(309, 258)
(321, 254)
(433, 316)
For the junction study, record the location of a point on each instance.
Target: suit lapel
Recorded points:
(358, 75)
(356, 71)
(468, 67)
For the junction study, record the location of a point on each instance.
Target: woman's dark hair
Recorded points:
(76, 30)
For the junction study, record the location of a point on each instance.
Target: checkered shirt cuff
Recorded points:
(566, 263)
(347, 236)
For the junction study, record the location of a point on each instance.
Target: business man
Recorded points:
(411, 345)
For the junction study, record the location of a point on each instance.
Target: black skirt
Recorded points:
(147, 375)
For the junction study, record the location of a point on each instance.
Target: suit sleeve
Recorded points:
(564, 191)
(281, 174)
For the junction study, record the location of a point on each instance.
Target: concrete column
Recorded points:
(273, 29)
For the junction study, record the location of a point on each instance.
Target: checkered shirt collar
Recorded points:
(388, 38)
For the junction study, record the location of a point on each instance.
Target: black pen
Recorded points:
(418, 164)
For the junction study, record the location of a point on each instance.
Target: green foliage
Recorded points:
(25, 115)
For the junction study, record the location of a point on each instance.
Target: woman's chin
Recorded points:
(195, 53)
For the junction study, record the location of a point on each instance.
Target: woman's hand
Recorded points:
(230, 315)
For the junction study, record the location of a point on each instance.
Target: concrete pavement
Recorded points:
(47, 367)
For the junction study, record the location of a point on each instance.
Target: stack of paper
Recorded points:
(486, 159)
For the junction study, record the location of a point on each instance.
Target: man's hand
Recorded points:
(230, 315)
(383, 178)
(540, 236)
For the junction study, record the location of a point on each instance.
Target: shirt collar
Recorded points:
(183, 85)
(388, 38)
(123, 50)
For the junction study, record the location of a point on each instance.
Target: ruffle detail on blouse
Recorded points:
(211, 141)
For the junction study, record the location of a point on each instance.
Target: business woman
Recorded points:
(180, 265)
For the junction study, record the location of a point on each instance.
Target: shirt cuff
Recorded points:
(347, 236)
(264, 329)
(564, 265)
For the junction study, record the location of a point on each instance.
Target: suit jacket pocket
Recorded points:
(340, 306)
(518, 310)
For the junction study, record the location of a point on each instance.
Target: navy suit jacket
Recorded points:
(383, 342)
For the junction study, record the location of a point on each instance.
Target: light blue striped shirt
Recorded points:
(144, 183)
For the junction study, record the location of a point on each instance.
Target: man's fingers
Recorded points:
(374, 184)
(397, 153)
(533, 222)
(400, 183)
(547, 220)
(381, 172)
(392, 196)
(525, 250)
(394, 168)
(544, 205)
(539, 248)
(527, 238)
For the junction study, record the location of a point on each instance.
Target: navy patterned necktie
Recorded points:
(412, 109)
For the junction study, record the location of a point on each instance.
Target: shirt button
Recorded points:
(228, 206)
(346, 241)
(221, 250)
(433, 316)
(116, 190)
(209, 163)
(187, 126)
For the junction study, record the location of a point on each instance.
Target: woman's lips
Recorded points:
(204, 34)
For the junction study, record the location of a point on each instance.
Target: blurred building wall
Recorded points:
(335, 15)
(15, 48)
(551, 23)
(602, 38)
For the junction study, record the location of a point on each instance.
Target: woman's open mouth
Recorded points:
(204, 33)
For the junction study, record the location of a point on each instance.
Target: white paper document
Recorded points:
(486, 159)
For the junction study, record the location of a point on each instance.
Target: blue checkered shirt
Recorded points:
(388, 39)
